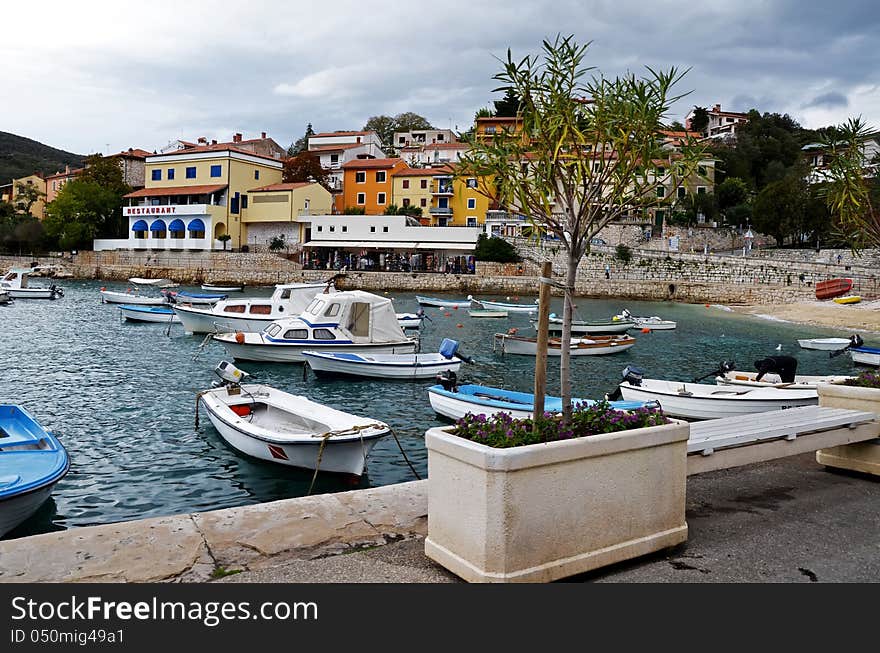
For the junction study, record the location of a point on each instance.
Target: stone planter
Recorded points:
(862, 456)
(542, 512)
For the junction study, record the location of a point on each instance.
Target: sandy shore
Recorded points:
(864, 316)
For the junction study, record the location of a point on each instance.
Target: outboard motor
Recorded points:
(449, 349)
(633, 375)
(856, 340)
(449, 381)
(229, 375)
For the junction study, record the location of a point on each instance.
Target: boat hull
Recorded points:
(487, 312)
(510, 308)
(197, 320)
(410, 367)
(849, 299)
(833, 288)
(603, 328)
(442, 303)
(529, 346)
(209, 288)
(866, 356)
(293, 353)
(143, 314)
(18, 509)
(112, 297)
(32, 293)
(801, 382)
(825, 344)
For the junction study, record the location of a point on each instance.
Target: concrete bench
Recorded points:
(742, 440)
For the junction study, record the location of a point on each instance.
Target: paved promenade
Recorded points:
(787, 520)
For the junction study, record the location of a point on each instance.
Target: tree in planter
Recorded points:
(277, 243)
(591, 155)
(224, 238)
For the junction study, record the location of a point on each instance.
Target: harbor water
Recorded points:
(121, 396)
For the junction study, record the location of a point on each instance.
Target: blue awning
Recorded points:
(196, 225)
(140, 225)
(176, 225)
(158, 225)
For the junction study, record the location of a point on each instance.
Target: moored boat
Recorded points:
(592, 346)
(185, 297)
(865, 355)
(505, 306)
(589, 327)
(801, 381)
(32, 461)
(159, 283)
(272, 425)
(130, 297)
(210, 287)
(140, 313)
(825, 344)
(410, 320)
(833, 288)
(388, 366)
(654, 322)
(15, 283)
(437, 302)
(487, 312)
(847, 299)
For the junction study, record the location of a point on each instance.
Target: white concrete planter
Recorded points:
(862, 456)
(542, 512)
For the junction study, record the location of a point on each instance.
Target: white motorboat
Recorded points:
(866, 355)
(592, 346)
(589, 327)
(410, 320)
(250, 314)
(505, 306)
(32, 461)
(130, 297)
(159, 283)
(388, 366)
(140, 313)
(700, 401)
(769, 380)
(654, 323)
(353, 321)
(436, 302)
(292, 430)
(209, 287)
(825, 344)
(15, 283)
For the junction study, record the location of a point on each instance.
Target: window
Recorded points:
(285, 294)
(472, 182)
(140, 234)
(728, 119)
(701, 190)
(320, 228)
(380, 199)
(406, 201)
(256, 174)
(272, 330)
(334, 159)
(296, 334)
(54, 185)
(424, 184)
(191, 172)
(244, 201)
(372, 230)
(234, 308)
(360, 177)
(260, 309)
(406, 183)
(401, 140)
(439, 137)
(157, 175)
(344, 228)
(385, 230)
(380, 176)
(424, 202)
(170, 173)
(682, 191)
(361, 198)
(490, 129)
(661, 191)
(216, 170)
(323, 334)
(472, 203)
(332, 310)
(233, 205)
(472, 222)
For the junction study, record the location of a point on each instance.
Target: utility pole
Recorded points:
(543, 337)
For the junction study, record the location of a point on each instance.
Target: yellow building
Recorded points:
(38, 208)
(194, 196)
(284, 210)
(415, 187)
(471, 200)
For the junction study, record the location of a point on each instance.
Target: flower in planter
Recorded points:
(503, 431)
(866, 379)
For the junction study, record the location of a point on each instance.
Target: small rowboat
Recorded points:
(591, 327)
(184, 297)
(866, 356)
(503, 306)
(801, 382)
(32, 461)
(443, 303)
(654, 323)
(291, 430)
(113, 297)
(848, 299)
(594, 346)
(160, 283)
(487, 312)
(833, 288)
(388, 366)
(136, 313)
(825, 344)
(212, 288)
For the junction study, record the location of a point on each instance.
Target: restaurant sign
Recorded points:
(166, 209)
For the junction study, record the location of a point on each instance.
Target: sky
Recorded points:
(95, 76)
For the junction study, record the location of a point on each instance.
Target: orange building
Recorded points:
(367, 185)
(487, 128)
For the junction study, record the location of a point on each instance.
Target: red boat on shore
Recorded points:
(833, 288)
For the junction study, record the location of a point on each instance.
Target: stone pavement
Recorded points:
(787, 520)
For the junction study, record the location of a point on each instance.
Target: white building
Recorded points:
(433, 155)
(423, 137)
(722, 124)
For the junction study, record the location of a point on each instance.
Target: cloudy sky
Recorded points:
(104, 76)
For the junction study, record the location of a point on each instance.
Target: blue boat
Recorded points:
(186, 297)
(32, 461)
(143, 313)
(481, 399)
(865, 355)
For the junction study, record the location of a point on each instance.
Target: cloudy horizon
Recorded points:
(103, 77)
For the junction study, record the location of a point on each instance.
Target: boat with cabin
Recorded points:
(353, 321)
(15, 283)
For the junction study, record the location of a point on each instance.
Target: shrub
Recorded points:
(866, 379)
(276, 243)
(623, 254)
(495, 249)
(503, 431)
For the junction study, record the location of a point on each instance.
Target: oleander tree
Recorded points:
(589, 151)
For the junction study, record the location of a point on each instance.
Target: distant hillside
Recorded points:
(20, 157)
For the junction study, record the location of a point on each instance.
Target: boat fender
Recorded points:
(646, 330)
(512, 331)
(239, 337)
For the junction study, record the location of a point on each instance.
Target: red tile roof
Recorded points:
(136, 153)
(500, 119)
(329, 134)
(330, 148)
(70, 173)
(422, 172)
(289, 186)
(176, 190)
(219, 147)
(363, 164)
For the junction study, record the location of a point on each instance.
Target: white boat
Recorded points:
(292, 430)
(593, 346)
(250, 314)
(443, 303)
(769, 380)
(159, 283)
(193, 298)
(353, 321)
(388, 366)
(129, 297)
(504, 306)
(32, 461)
(589, 327)
(487, 312)
(15, 282)
(866, 355)
(700, 401)
(410, 320)
(825, 344)
(208, 287)
(654, 323)
(140, 313)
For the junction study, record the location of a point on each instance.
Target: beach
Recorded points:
(864, 316)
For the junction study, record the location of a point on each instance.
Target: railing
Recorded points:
(437, 210)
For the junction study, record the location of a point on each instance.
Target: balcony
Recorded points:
(442, 189)
(440, 210)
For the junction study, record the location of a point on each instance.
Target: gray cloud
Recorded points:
(830, 100)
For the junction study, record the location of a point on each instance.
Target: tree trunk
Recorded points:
(565, 353)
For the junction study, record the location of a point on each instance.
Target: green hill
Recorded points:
(20, 156)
